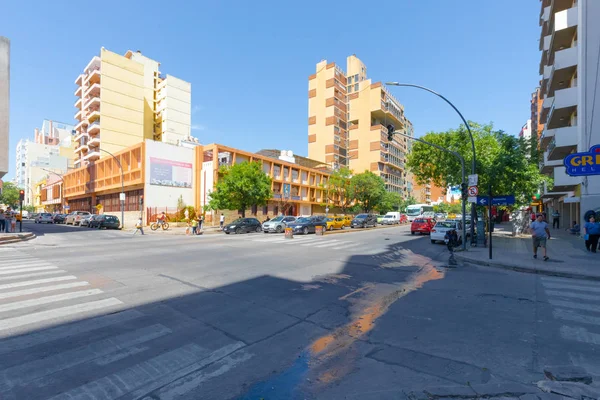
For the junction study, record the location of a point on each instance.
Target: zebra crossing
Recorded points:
(576, 304)
(62, 338)
(318, 242)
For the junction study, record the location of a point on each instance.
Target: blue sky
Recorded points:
(249, 62)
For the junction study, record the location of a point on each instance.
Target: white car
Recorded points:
(438, 232)
(390, 220)
(44, 218)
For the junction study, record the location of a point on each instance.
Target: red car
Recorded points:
(422, 225)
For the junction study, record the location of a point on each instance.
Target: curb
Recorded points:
(20, 238)
(516, 268)
(349, 230)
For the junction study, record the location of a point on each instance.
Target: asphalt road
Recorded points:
(88, 314)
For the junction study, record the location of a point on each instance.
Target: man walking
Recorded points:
(139, 226)
(222, 221)
(555, 219)
(539, 232)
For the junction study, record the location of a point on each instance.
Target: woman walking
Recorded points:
(592, 233)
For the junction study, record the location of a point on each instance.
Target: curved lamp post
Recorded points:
(122, 199)
(474, 162)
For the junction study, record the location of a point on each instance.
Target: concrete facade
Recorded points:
(4, 103)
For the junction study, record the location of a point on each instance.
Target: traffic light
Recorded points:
(463, 190)
(535, 197)
(21, 195)
(390, 129)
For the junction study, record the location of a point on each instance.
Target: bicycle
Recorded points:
(154, 226)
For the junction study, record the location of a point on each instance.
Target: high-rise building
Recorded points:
(123, 100)
(4, 103)
(526, 131)
(570, 45)
(537, 125)
(50, 152)
(348, 116)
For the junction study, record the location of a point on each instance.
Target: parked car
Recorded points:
(85, 220)
(59, 218)
(364, 221)
(277, 224)
(391, 218)
(75, 217)
(306, 225)
(380, 219)
(33, 216)
(243, 225)
(104, 221)
(438, 232)
(347, 220)
(335, 223)
(421, 225)
(44, 218)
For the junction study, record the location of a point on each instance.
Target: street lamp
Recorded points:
(474, 162)
(122, 196)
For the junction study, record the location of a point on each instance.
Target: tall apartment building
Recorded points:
(51, 150)
(4, 103)
(347, 120)
(537, 125)
(570, 45)
(123, 100)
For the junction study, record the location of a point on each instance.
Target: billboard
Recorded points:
(170, 173)
(583, 164)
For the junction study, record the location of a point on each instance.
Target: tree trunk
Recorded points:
(244, 212)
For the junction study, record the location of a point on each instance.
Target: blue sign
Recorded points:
(496, 201)
(583, 164)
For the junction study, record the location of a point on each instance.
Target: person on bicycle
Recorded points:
(162, 218)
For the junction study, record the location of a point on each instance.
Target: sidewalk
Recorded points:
(6, 238)
(568, 257)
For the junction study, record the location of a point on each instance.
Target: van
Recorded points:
(391, 218)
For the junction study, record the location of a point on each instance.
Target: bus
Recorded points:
(416, 210)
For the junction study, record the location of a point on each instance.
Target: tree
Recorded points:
(501, 160)
(339, 189)
(368, 190)
(10, 195)
(240, 186)
(391, 201)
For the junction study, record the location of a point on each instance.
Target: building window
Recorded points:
(356, 87)
(349, 88)
(349, 79)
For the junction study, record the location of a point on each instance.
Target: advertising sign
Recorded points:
(170, 173)
(583, 164)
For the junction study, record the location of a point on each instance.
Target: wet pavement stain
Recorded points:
(332, 356)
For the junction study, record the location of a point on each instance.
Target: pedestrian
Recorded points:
(13, 222)
(592, 234)
(2, 220)
(222, 221)
(555, 219)
(186, 213)
(139, 226)
(8, 217)
(200, 222)
(194, 226)
(539, 232)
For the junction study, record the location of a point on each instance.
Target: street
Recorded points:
(357, 315)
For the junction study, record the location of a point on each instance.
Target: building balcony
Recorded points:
(79, 79)
(93, 76)
(565, 28)
(564, 182)
(94, 115)
(546, 105)
(94, 127)
(78, 103)
(92, 91)
(547, 166)
(564, 104)
(546, 14)
(94, 63)
(81, 124)
(78, 115)
(78, 92)
(92, 155)
(94, 141)
(79, 136)
(564, 67)
(563, 143)
(82, 147)
(90, 102)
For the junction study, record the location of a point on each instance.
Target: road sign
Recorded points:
(122, 196)
(472, 199)
(67, 207)
(473, 179)
(473, 191)
(496, 201)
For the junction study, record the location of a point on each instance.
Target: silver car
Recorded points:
(277, 224)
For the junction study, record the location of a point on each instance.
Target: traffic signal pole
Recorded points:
(21, 198)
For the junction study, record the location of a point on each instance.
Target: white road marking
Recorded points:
(37, 282)
(36, 263)
(573, 295)
(579, 334)
(26, 292)
(569, 315)
(119, 355)
(13, 277)
(569, 281)
(328, 243)
(577, 306)
(47, 300)
(20, 270)
(321, 241)
(41, 316)
(550, 285)
(65, 331)
(23, 373)
(302, 239)
(345, 246)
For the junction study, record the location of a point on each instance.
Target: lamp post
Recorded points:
(473, 163)
(122, 196)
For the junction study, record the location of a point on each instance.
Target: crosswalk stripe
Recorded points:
(577, 306)
(23, 320)
(34, 274)
(302, 239)
(569, 315)
(27, 292)
(345, 246)
(571, 287)
(47, 300)
(140, 375)
(23, 373)
(322, 241)
(573, 295)
(25, 265)
(579, 334)
(64, 331)
(37, 282)
(18, 258)
(569, 281)
(328, 243)
(19, 270)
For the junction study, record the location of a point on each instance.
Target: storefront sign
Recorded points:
(583, 164)
(170, 173)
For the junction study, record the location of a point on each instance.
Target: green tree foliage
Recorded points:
(10, 195)
(368, 190)
(391, 201)
(241, 186)
(339, 189)
(501, 160)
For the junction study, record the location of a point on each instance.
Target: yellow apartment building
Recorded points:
(122, 100)
(348, 119)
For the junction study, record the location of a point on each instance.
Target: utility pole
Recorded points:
(21, 198)
(490, 218)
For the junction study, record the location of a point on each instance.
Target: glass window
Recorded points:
(356, 87)
(349, 79)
